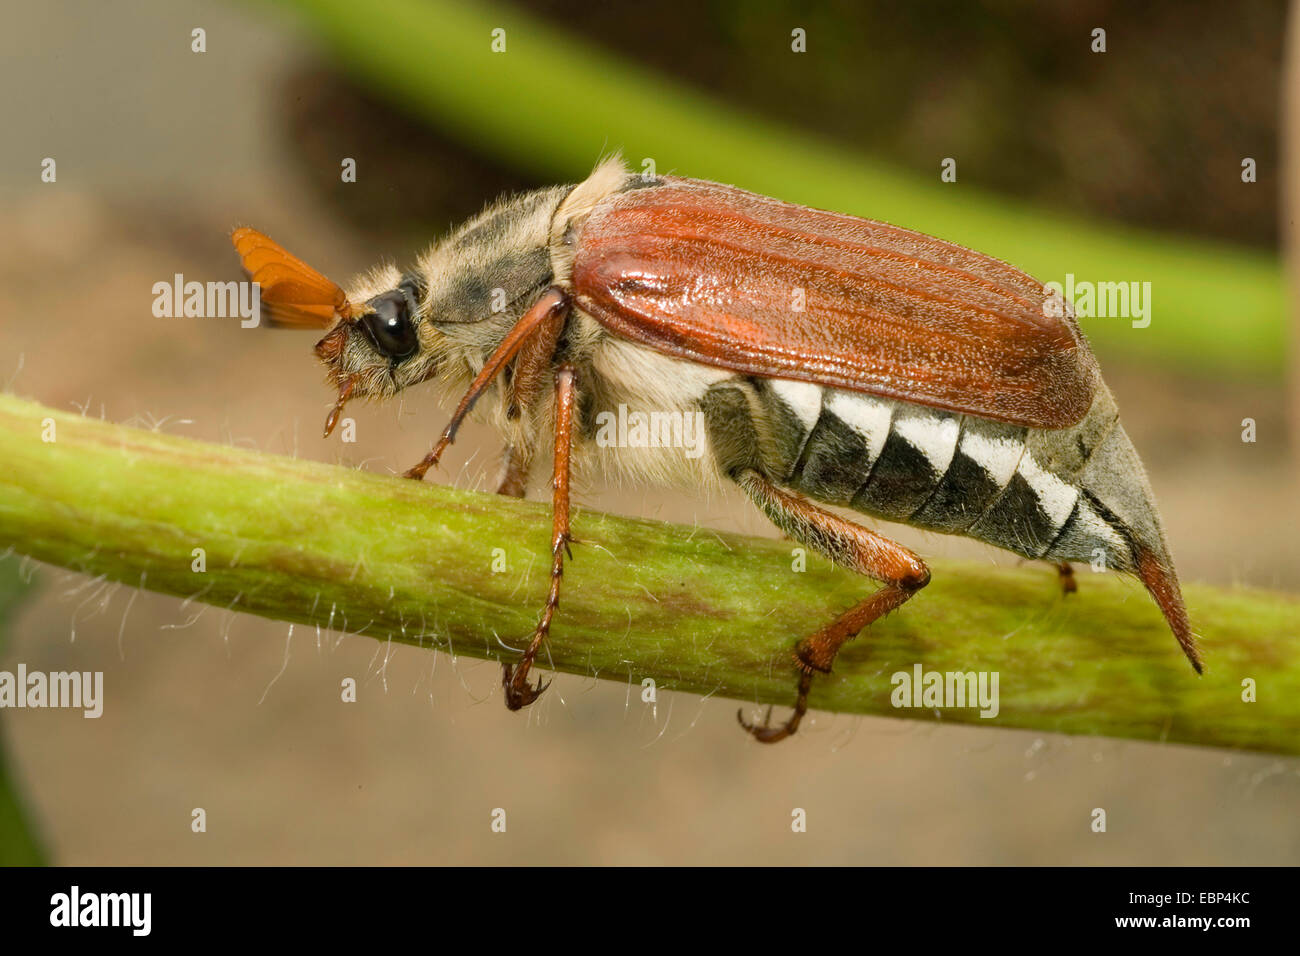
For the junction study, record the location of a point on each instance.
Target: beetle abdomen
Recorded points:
(1007, 485)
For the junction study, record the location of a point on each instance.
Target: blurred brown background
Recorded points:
(160, 152)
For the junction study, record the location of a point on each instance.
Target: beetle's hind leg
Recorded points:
(847, 544)
(1068, 583)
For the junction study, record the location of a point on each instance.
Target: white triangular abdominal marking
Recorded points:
(933, 435)
(997, 456)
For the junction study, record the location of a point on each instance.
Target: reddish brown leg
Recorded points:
(1068, 584)
(550, 310)
(532, 368)
(519, 693)
(529, 373)
(847, 544)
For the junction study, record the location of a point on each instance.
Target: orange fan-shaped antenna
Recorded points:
(293, 293)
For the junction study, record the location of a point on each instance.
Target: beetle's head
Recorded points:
(390, 329)
(442, 319)
(382, 344)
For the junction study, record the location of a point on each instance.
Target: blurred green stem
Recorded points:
(695, 610)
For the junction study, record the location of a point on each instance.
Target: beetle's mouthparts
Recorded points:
(330, 348)
(345, 392)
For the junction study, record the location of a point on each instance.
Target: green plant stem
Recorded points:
(19, 843)
(695, 610)
(552, 103)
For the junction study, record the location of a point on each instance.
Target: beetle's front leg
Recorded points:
(514, 678)
(851, 546)
(542, 322)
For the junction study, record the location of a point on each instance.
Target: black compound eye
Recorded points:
(389, 327)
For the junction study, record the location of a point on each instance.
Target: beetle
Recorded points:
(836, 361)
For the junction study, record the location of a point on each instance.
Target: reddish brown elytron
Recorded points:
(710, 273)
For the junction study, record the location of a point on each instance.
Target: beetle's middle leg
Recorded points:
(847, 544)
(514, 678)
(525, 380)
